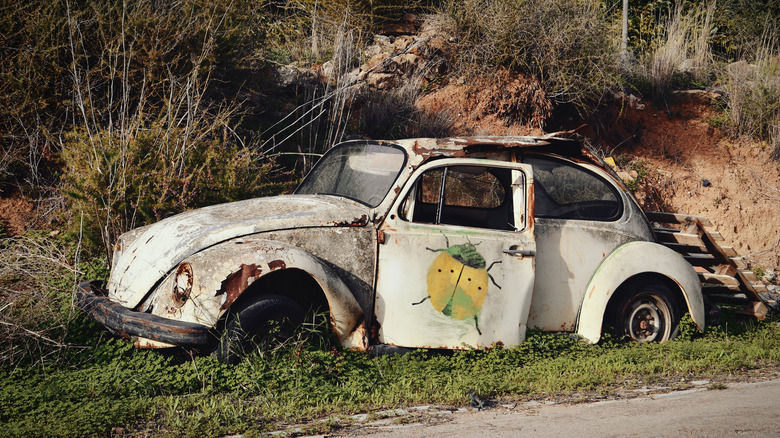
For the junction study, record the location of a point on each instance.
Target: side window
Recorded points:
(472, 196)
(564, 191)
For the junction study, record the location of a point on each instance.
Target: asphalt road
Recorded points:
(741, 409)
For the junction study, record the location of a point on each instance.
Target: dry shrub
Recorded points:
(394, 114)
(753, 94)
(37, 276)
(306, 31)
(678, 50)
(568, 46)
(154, 135)
(513, 98)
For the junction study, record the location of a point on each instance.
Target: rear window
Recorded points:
(564, 190)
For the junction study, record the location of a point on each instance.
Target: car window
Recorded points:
(566, 191)
(363, 172)
(473, 196)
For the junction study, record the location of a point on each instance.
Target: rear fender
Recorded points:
(628, 261)
(223, 273)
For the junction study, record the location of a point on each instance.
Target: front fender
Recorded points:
(625, 262)
(222, 273)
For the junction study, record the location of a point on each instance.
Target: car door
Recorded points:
(456, 257)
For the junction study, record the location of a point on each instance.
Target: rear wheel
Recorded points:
(263, 323)
(645, 312)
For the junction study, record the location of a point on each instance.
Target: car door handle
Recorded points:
(520, 252)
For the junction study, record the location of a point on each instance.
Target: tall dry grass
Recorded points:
(682, 46)
(753, 94)
(571, 47)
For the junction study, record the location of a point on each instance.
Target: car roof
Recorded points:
(564, 144)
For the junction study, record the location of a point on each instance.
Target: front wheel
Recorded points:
(645, 313)
(262, 323)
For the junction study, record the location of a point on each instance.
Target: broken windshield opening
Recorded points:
(362, 172)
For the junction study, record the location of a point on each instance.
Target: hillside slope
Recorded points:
(686, 165)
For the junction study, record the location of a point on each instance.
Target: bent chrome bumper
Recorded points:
(94, 302)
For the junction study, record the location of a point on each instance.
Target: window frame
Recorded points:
(621, 207)
(514, 195)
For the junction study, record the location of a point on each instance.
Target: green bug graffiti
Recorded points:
(458, 282)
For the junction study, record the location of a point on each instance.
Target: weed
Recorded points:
(114, 385)
(717, 386)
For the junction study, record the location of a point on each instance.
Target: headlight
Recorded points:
(182, 284)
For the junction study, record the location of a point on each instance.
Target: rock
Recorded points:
(382, 81)
(633, 173)
(770, 275)
(287, 76)
(742, 70)
(375, 61)
(327, 71)
(705, 182)
(407, 62)
(410, 18)
(372, 50)
(402, 43)
(383, 42)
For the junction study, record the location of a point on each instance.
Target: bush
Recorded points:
(392, 114)
(753, 92)
(118, 183)
(677, 54)
(37, 276)
(569, 46)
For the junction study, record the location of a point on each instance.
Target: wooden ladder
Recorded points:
(724, 275)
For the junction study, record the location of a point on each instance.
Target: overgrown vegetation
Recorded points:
(569, 46)
(115, 387)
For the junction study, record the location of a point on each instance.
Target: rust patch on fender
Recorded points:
(277, 264)
(237, 282)
(357, 222)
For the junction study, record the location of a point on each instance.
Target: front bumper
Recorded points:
(94, 302)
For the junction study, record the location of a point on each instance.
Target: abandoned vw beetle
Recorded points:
(429, 243)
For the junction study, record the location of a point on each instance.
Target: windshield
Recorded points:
(363, 172)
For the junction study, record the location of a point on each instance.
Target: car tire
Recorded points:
(262, 323)
(645, 312)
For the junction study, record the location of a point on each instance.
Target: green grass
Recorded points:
(114, 386)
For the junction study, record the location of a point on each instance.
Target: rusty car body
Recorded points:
(419, 243)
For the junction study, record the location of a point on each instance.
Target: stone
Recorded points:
(383, 42)
(375, 61)
(382, 81)
(407, 62)
(402, 43)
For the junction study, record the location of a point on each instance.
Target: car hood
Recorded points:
(144, 256)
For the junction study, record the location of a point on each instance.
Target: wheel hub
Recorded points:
(646, 319)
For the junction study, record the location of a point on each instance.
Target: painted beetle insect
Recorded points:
(458, 282)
